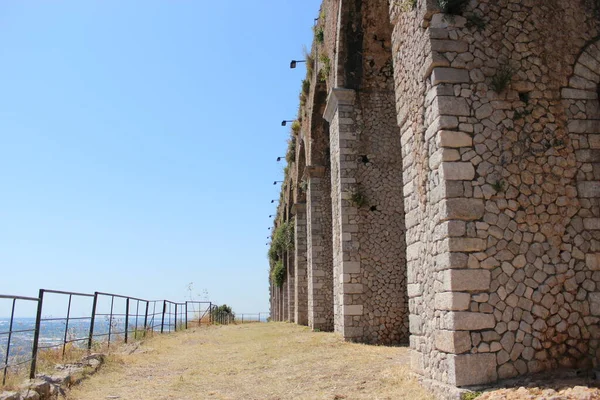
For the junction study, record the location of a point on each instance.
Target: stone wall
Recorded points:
(464, 182)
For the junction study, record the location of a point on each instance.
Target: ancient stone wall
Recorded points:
(464, 153)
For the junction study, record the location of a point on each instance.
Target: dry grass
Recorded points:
(254, 361)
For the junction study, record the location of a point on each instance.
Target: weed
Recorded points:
(326, 68)
(310, 62)
(296, 127)
(358, 198)
(453, 7)
(290, 156)
(407, 5)
(319, 34)
(471, 395)
(521, 114)
(303, 185)
(498, 186)
(278, 274)
(475, 21)
(502, 79)
(322, 14)
(305, 86)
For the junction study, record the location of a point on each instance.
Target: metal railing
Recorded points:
(6, 362)
(111, 318)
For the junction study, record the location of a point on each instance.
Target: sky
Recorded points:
(138, 145)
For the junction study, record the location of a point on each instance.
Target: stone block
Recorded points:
(469, 321)
(414, 290)
(448, 260)
(450, 105)
(352, 309)
(594, 141)
(461, 280)
(592, 261)
(457, 46)
(417, 362)
(440, 123)
(472, 369)
(457, 171)
(584, 126)
(351, 267)
(414, 324)
(592, 224)
(465, 209)
(588, 155)
(352, 288)
(453, 342)
(588, 189)
(594, 298)
(452, 301)
(413, 251)
(449, 75)
(465, 245)
(454, 139)
(578, 94)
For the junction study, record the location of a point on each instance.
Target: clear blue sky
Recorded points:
(138, 143)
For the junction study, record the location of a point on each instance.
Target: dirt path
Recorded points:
(254, 361)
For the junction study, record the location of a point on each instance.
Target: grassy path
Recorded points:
(254, 361)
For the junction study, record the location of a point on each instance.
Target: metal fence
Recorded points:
(111, 318)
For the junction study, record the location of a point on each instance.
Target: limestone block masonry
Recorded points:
(459, 196)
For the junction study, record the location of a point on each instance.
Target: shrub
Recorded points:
(319, 34)
(278, 274)
(222, 313)
(453, 7)
(358, 198)
(296, 127)
(501, 80)
(325, 69)
(475, 21)
(290, 156)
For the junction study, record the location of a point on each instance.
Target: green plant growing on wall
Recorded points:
(498, 186)
(305, 86)
(303, 185)
(325, 69)
(278, 274)
(310, 62)
(475, 21)
(290, 156)
(471, 395)
(452, 7)
(502, 79)
(296, 127)
(319, 34)
(322, 14)
(406, 5)
(358, 198)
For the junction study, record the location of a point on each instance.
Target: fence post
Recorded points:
(162, 322)
(175, 317)
(186, 315)
(67, 326)
(110, 320)
(258, 317)
(146, 318)
(93, 320)
(126, 318)
(36, 334)
(210, 320)
(10, 329)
